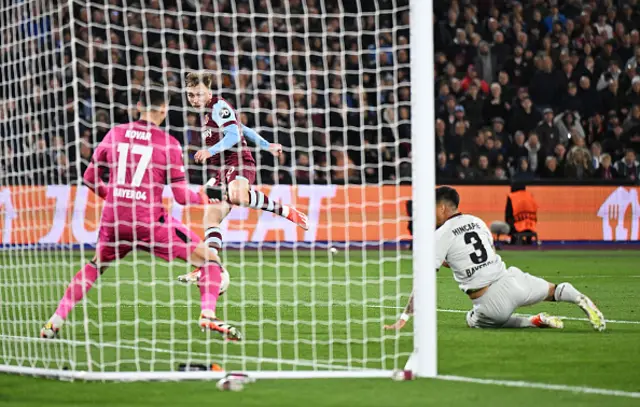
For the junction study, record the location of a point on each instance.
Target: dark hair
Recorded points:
(448, 195)
(153, 97)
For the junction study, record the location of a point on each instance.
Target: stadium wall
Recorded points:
(68, 215)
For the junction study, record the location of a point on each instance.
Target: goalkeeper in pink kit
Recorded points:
(142, 159)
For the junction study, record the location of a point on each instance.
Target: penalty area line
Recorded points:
(542, 386)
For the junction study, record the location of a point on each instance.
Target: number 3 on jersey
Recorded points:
(144, 151)
(480, 253)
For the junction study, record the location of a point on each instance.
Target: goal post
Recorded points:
(330, 80)
(423, 139)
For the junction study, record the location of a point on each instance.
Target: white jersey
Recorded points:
(466, 244)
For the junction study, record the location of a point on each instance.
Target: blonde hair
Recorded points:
(197, 78)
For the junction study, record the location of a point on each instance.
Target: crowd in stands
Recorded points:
(328, 79)
(539, 89)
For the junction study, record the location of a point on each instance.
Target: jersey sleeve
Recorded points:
(175, 168)
(223, 114)
(100, 153)
(444, 240)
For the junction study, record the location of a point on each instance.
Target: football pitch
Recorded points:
(340, 301)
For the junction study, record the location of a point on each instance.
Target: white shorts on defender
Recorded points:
(515, 289)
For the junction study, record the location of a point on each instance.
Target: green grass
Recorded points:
(300, 317)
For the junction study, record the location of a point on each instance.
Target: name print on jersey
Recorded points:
(465, 228)
(138, 135)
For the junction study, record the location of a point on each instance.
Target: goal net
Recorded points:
(329, 80)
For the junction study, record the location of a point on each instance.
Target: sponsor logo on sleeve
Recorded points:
(225, 113)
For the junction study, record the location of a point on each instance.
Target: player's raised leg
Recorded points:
(174, 240)
(241, 194)
(238, 192)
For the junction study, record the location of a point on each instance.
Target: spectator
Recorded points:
(565, 123)
(578, 164)
(613, 144)
(501, 154)
(494, 106)
(543, 85)
(500, 49)
(611, 98)
(633, 94)
(632, 121)
(547, 131)
(566, 76)
(570, 100)
(535, 155)
(605, 170)
(551, 169)
(499, 174)
(472, 77)
(464, 170)
(473, 105)
(302, 169)
(518, 68)
(490, 149)
(589, 96)
(560, 152)
(508, 89)
(628, 167)
(486, 64)
(483, 172)
(596, 155)
(444, 170)
(522, 171)
(609, 76)
(500, 135)
(524, 118)
(555, 16)
(518, 149)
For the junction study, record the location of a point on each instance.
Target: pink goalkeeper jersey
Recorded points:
(142, 159)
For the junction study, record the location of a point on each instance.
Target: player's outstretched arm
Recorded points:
(185, 196)
(406, 314)
(92, 179)
(255, 138)
(176, 176)
(225, 118)
(230, 139)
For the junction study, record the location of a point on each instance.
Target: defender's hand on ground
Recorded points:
(275, 149)
(397, 326)
(202, 156)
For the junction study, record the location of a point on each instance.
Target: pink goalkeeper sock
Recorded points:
(209, 285)
(81, 283)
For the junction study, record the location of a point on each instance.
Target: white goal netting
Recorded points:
(329, 80)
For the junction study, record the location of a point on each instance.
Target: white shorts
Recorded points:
(515, 289)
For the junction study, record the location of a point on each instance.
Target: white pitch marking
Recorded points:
(461, 311)
(544, 386)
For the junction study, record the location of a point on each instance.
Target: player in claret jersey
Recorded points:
(229, 155)
(142, 159)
